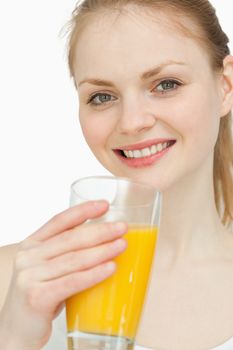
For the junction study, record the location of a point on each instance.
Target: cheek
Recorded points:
(197, 119)
(96, 132)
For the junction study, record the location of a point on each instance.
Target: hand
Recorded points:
(62, 258)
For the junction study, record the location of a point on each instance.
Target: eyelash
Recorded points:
(175, 82)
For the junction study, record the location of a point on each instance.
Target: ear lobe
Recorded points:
(227, 85)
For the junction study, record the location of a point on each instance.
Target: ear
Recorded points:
(227, 85)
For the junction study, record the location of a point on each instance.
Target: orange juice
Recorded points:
(113, 307)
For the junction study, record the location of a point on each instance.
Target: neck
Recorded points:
(190, 225)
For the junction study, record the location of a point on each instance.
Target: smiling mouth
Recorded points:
(145, 152)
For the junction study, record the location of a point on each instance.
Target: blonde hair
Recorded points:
(210, 35)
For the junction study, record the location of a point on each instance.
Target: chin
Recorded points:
(147, 180)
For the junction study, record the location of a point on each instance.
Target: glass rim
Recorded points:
(120, 178)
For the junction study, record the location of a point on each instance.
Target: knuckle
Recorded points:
(32, 292)
(23, 244)
(26, 243)
(21, 258)
(23, 280)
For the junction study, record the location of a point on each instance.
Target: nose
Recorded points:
(136, 116)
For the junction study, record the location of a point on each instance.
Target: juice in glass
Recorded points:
(113, 307)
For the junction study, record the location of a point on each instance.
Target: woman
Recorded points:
(155, 86)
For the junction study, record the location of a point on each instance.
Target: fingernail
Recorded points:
(110, 266)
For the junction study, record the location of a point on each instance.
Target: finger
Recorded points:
(85, 236)
(69, 218)
(82, 237)
(79, 261)
(60, 289)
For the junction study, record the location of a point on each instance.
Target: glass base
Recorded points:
(90, 341)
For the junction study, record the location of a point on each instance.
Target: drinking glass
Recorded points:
(106, 316)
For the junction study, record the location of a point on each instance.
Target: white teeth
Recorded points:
(131, 154)
(153, 149)
(137, 154)
(145, 152)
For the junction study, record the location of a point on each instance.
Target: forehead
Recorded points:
(131, 41)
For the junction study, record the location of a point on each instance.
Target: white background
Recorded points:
(42, 149)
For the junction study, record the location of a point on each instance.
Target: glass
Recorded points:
(107, 315)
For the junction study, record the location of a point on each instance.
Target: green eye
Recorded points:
(164, 86)
(167, 85)
(99, 99)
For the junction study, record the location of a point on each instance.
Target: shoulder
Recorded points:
(7, 254)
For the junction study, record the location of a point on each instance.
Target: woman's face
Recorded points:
(146, 89)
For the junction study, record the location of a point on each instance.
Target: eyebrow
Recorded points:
(144, 76)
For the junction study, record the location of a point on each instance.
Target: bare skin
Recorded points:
(189, 303)
(7, 256)
(62, 258)
(189, 299)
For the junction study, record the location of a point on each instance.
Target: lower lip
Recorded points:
(145, 161)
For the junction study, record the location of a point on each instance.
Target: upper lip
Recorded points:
(144, 144)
